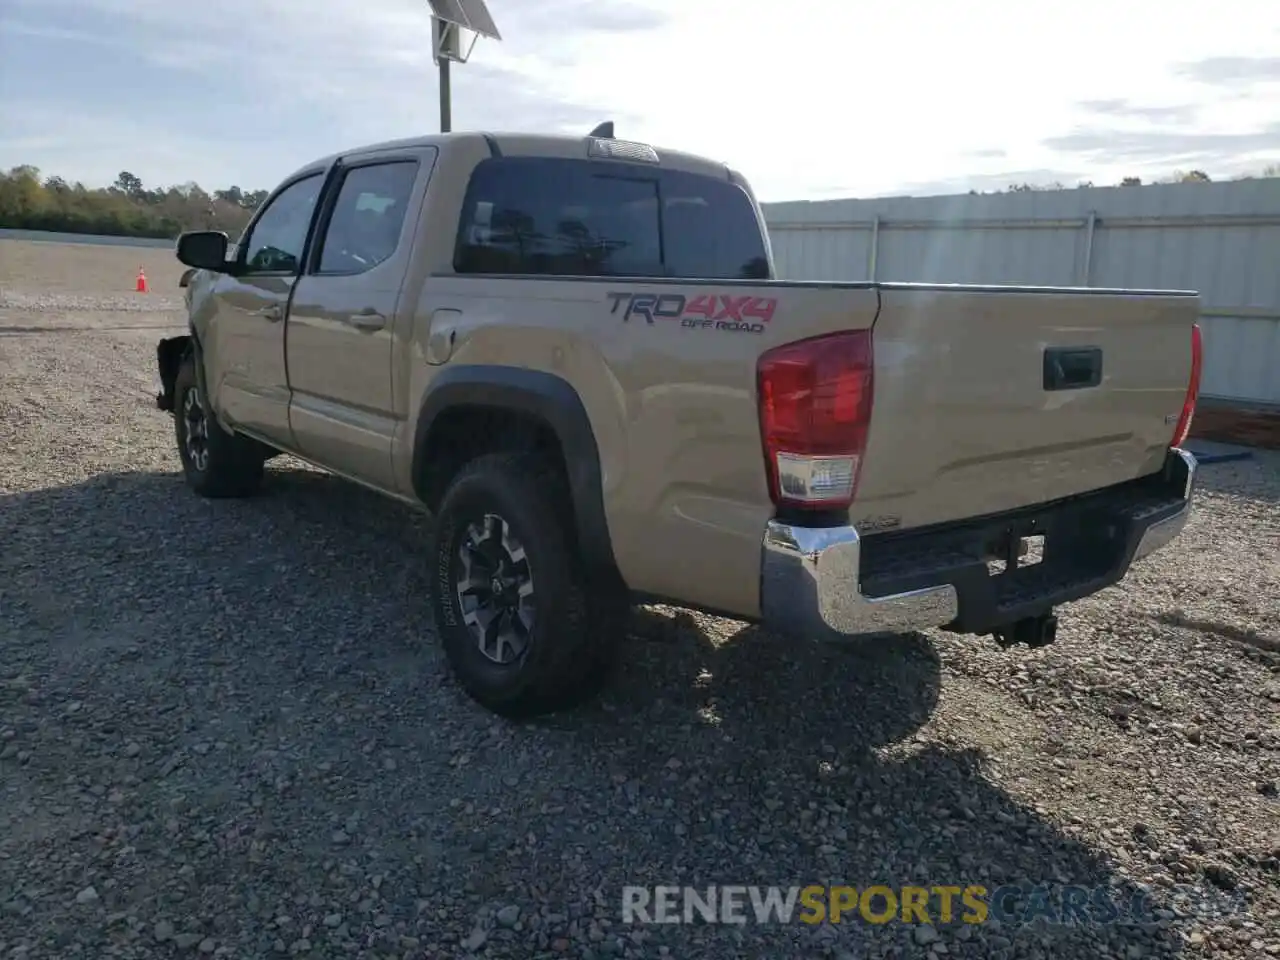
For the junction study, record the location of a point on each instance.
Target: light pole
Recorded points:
(455, 26)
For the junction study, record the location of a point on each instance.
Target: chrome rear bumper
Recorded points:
(810, 585)
(812, 577)
(1162, 532)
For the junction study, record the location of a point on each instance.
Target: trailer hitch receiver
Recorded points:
(1038, 631)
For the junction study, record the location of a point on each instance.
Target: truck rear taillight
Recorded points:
(1193, 390)
(815, 410)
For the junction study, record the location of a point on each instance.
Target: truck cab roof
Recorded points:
(514, 143)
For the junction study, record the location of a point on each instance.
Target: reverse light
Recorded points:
(815, 410)
(1193, 390)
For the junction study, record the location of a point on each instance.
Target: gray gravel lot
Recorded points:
(225, 729)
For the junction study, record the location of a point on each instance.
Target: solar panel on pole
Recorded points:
(448, 26)
(450, 11)
(455, 26)
(479, 19)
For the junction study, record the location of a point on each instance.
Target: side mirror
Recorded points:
(204, 250)
(185, 279)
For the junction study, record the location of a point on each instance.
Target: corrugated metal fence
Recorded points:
(1220, 239)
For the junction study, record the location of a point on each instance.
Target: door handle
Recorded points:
(1072, 368)
(271, 314)
(367, 320)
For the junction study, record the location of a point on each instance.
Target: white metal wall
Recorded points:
(1220, 239)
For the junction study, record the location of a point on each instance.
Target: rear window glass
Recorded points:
(547, 216)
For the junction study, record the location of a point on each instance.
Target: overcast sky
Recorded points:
(809, 98)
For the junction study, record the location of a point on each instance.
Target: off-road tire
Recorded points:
(576, 624)
(231, 466)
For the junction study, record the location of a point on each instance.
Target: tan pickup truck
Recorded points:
(574, 353)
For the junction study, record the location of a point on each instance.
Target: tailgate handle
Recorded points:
(1072, 368)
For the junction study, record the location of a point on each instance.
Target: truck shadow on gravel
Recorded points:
(244, 692)
(1244, 636)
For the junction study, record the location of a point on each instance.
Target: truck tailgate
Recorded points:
(986, 400)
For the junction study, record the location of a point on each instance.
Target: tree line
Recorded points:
(128, 208)
(1188, 176)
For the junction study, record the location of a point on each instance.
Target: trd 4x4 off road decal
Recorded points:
(707, 311)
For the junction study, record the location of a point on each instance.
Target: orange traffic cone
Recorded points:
(141, 285)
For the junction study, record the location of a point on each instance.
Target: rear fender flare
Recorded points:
(548, 399)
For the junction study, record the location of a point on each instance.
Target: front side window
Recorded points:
(368, 215)
(275, 243)
(547, 216)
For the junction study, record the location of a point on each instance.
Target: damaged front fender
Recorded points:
(171, 351)
(169, 354)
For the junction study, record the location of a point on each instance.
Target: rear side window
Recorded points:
(547, 216)
(368, 215)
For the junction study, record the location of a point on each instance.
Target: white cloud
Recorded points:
(809, 98)
(867, 98)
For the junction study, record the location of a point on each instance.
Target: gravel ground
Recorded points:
(225, 729)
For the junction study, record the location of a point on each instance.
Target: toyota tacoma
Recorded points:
(574, 353)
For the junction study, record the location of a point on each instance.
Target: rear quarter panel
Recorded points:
(671, 397)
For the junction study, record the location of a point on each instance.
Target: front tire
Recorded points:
(215, 463)
(524, 631)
